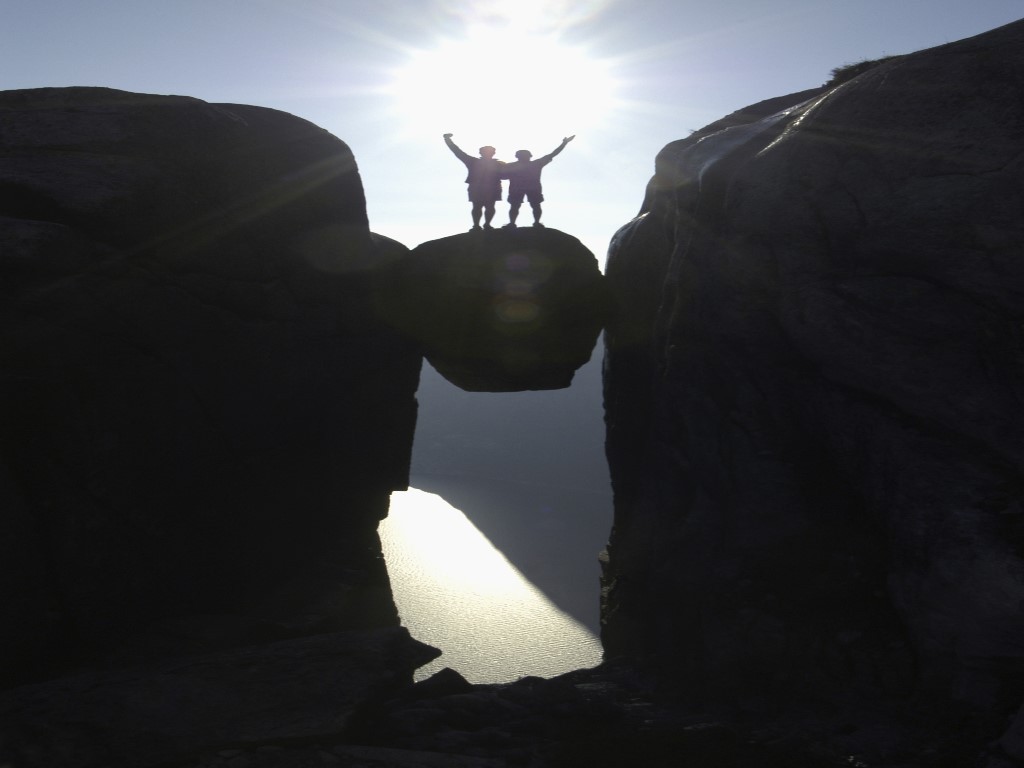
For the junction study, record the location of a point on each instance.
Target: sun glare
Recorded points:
(510, 88)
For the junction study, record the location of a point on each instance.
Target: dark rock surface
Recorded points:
(202, 413)
(504, 310)
(814, 390)
(282, 692)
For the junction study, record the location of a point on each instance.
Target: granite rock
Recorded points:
(503, 310)
(202, 413)
(272, 693)
(813, 389)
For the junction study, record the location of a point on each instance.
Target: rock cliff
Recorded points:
(202, 414)
(813, 387)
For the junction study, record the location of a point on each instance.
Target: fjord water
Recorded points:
(457, 592)
(492, 553)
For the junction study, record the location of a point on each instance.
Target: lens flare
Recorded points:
(517, 311)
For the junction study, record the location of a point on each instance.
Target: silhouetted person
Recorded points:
(484, 180)
(524, 181)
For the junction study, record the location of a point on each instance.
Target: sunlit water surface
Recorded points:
(457, 592)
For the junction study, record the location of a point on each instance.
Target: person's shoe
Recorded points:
(474, 228)
(510, 225)
(537, 224)
(488, 226)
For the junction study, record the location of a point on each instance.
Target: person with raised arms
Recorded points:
(524, 182)
(484, 176)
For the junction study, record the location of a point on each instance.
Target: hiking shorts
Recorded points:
(533, 195)
(484, 195)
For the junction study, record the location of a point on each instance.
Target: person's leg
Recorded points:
(535, 198)
(513, 213)
(475, 213)
(488, 213)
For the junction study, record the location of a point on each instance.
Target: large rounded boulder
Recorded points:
(504, 310)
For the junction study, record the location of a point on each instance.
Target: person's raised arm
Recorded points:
(455, 149)
(560, 147)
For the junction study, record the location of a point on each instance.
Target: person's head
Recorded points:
(523, 154)
(487, 152)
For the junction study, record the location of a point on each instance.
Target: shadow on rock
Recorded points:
(504, 310)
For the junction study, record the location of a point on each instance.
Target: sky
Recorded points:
(390, 76)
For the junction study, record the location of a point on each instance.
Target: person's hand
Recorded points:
(448, 135)
(567, 139)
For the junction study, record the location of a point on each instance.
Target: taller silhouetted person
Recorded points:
(524, 181)
(484, 180)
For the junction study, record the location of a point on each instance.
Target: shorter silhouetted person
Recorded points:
(484, 180)
(524, 182)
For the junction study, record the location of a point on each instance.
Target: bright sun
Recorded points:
(506, 88)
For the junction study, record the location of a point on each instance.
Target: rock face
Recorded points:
(202, 414)
(504, 310)
(814, 389)
(276, 692)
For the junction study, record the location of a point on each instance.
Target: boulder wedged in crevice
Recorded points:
(503, 310)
